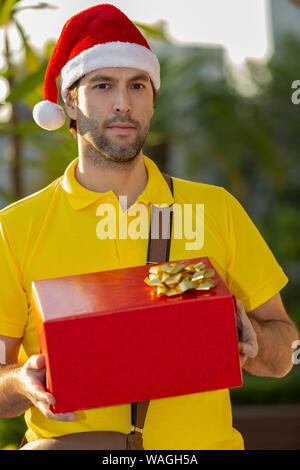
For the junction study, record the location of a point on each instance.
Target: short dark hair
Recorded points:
(73, 91)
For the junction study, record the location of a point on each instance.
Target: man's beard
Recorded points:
(101, 147)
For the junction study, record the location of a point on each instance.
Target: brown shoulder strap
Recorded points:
(160, 231)
(158, 251)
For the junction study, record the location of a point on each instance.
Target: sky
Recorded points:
(241, 26)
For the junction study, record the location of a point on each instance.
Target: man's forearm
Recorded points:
(12, 402)
(275, 338)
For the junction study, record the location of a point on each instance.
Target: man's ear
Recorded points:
(71, 108)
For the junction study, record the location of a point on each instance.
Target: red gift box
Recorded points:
(110, 339)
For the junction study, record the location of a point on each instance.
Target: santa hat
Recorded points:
(98, 37)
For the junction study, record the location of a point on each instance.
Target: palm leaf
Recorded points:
(40, 6)
(155, 31)
(32, 61)
(6, 10)
(26, 86)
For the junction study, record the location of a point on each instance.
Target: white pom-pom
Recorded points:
(49, 115)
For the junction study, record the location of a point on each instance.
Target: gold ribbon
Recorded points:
(176, 278)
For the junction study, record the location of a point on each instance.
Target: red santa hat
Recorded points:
(98, 37)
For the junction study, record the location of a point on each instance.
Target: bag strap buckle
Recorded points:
(135, 429)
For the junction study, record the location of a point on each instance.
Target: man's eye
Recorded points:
(138, 86)
(102, 86)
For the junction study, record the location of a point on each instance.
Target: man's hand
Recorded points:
(248, 346)
(32, 380)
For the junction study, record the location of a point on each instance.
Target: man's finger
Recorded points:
(242, 359)
(247, 349)
(56, 416)
(36, 361)
(239, 304)
(43, 397)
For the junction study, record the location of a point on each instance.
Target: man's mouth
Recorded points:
(121, 128)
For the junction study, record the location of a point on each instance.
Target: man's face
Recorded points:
(114, 111)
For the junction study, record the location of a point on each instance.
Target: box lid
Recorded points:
(110, 291)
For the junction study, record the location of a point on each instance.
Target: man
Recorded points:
(113, 76)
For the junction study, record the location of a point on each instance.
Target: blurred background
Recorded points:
(228, 114)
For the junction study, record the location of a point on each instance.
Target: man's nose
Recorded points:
(122, 102)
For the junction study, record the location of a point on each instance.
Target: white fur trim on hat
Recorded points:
(110, 54)
(49, 115)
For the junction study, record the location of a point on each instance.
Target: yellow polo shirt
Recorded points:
(53, 233)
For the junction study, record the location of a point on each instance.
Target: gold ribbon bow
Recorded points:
(176, 278)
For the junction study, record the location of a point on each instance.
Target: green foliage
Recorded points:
(26, 86)
(25, 80)
(39, 6)
(267, 390)
(12, 431)
(156, 31)
(6, 10)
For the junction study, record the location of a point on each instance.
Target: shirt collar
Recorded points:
(156, 192)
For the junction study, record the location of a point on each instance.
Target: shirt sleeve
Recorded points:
(253, 274)
(13, 298)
